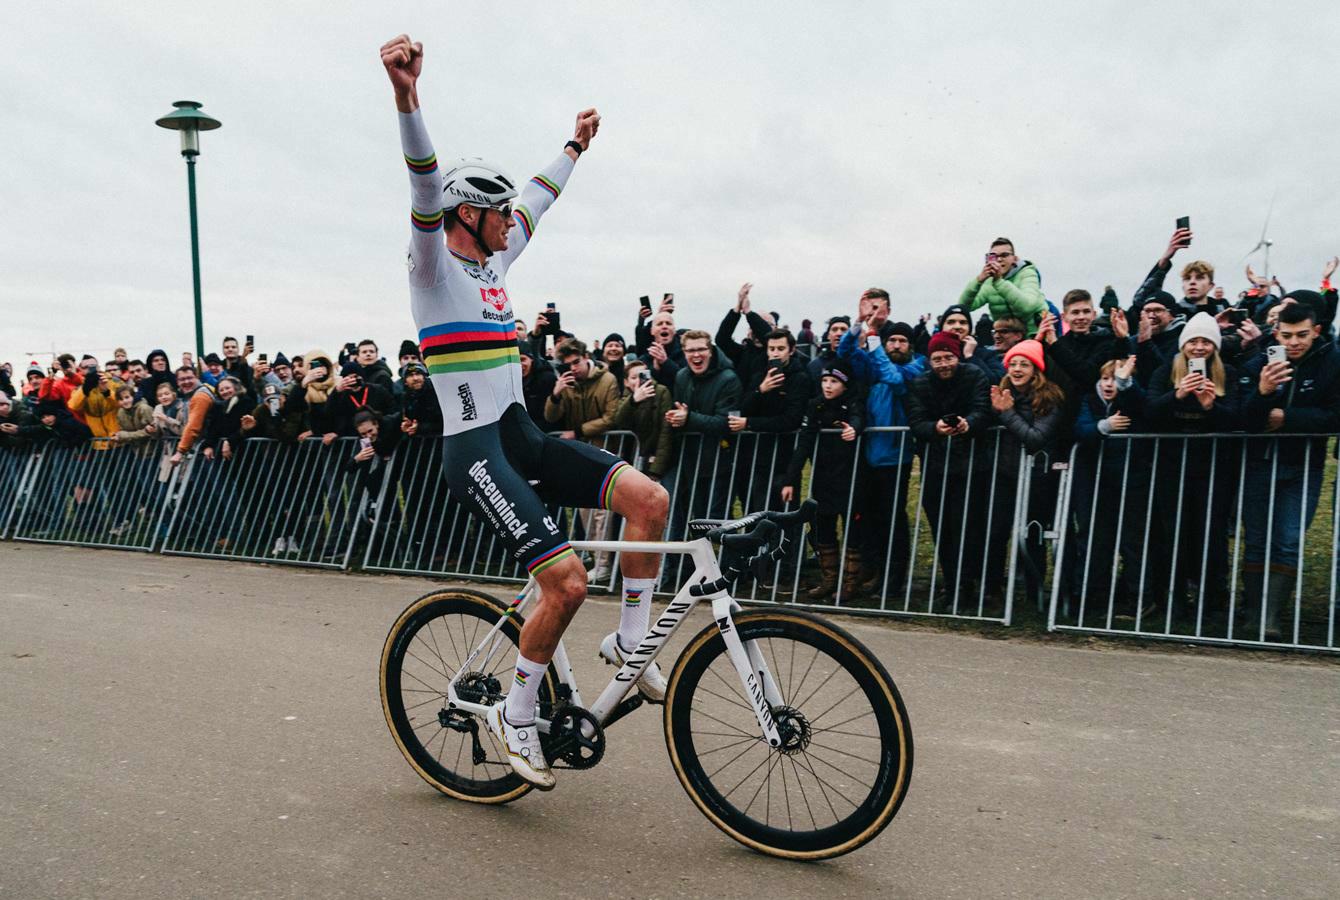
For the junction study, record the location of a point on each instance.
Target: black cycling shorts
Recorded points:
(490, 468)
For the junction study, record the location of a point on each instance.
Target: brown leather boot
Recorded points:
(851, 573)
(828, 568)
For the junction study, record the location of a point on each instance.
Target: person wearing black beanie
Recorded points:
(612, 352)
(892, 328)
(827, 351)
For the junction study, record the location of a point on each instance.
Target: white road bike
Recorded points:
(786, 732)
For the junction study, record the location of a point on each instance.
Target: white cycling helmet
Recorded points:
(477, 183)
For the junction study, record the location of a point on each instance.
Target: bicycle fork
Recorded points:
(758, 682)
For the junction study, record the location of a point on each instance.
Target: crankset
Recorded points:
(575, 739)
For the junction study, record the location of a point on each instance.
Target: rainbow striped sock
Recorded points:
(635, 613)
(519, 708)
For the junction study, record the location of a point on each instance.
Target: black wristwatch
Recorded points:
(575, 146)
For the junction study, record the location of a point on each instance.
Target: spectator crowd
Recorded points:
(981, 398)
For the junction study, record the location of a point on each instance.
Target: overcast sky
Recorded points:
(814, 149)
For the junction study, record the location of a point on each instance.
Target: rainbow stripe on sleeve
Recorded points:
(468, 346)
(547, 185)
(525, 220)
(425, 221)
(425, 166)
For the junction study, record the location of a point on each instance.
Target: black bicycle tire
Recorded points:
(896, 752)
(423, 610)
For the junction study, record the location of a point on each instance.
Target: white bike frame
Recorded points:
(755, 677)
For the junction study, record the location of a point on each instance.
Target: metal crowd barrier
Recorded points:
(419, 528)
(15, 464)
(98, 494)
(1216, 538)
(1226, 538)
(296, 503)
(956, 557)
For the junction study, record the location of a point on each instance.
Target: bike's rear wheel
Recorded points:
(425, 648)
(846, 758)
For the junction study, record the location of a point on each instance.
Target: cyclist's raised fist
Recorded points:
(588, 123)
(403, 60)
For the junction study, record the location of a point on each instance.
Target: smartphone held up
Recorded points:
(1184, 224)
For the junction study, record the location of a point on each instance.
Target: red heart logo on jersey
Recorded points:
(495, 297)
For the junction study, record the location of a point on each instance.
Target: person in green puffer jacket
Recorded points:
(642, 411)
(1010, 286)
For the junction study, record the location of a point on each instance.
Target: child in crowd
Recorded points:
(838, 415)
(134, 420)
(1109, 496)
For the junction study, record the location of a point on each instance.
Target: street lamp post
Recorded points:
(190, 121)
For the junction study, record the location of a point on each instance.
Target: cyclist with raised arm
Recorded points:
(469, 222)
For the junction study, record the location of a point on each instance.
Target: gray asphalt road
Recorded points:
(174, 727)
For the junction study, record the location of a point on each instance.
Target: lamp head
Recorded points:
(190, 121)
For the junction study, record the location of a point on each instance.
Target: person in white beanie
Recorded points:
(1196, 393)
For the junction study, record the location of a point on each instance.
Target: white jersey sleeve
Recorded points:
(427, 251)
(536, 198)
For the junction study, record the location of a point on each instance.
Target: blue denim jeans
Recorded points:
(1285, 527)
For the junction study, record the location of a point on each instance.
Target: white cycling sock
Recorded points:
(635, 614)
(519, 708)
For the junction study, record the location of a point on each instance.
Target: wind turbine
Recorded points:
(1265, 242)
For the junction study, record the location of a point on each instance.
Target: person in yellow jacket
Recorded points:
(95, 399)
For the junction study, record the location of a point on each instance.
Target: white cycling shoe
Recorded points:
(522, 745)
(652, 683)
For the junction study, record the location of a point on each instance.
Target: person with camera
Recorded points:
(642, 411)
(95, 400)
(1297, 392)
(1196, 392)
(947, 409)
(1008, 286)
(771, 410)
(234, 363)
(353, 394)
(750, 356)
(65, 376)
(1197, 280)
(371, 367)
(583, 399)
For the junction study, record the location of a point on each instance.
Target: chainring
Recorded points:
(567, 745)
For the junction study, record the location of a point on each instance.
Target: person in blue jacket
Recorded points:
(885, 364)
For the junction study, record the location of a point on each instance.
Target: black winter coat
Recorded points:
(750, 359)
(930, 398)
(421, 406)
(1311, 404)
(830, 476)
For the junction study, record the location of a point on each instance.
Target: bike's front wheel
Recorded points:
(846, 756)
(428, 644)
